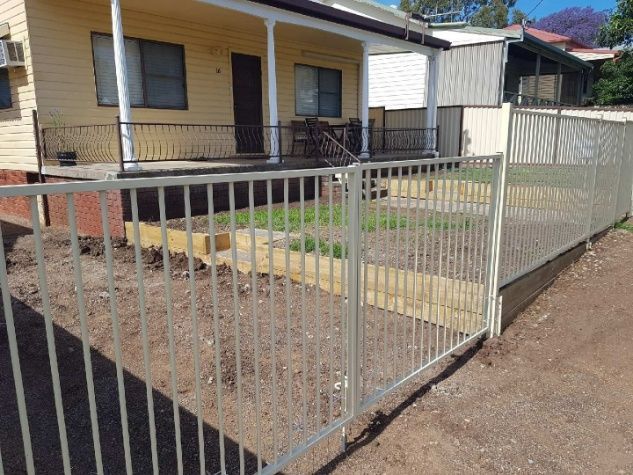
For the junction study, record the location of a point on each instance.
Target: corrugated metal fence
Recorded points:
(482, 125)
(449, 120)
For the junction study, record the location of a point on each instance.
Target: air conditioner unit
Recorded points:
(11, 54)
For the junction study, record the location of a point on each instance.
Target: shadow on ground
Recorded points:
(382, 420)
(38, 389)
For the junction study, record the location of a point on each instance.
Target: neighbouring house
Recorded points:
(484, 66)
(595, 56)
(141, 88)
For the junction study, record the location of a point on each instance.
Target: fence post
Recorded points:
(616, 203)
(437, 139)
(120, 143)
(597, 141)
(629, 125)
(281, 149)
(37, 132)
(492, 309)
(352, 395)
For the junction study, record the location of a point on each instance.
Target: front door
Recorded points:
(247, 103)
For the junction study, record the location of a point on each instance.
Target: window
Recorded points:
(156, 73)
(5, 89)
(317, 91)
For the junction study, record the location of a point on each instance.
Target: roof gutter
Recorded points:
(341, 17)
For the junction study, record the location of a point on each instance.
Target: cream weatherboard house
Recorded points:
(213, 62)
(146, 87)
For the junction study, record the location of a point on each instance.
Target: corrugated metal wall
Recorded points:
(470, 75)
(449, 120)
(480, 130)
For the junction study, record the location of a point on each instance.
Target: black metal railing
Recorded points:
(82, 143)
(177, 142)
(334, 153)
(519, 99)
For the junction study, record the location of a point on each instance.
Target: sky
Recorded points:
(548, 6)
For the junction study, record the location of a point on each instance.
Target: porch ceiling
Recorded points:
(205, 13)
(194, 11)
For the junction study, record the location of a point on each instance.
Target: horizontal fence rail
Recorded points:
(312, 295)
(175, 142)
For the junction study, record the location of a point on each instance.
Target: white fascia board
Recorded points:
(284, 16)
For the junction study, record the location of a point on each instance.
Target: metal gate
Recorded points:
(119, 357)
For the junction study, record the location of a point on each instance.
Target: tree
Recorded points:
(618, 31)
(495, 12)
(580, 24)
(494, 15)
(518, 16)
(615, 86)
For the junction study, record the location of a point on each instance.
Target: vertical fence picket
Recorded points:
(14, 355)
(50, 335)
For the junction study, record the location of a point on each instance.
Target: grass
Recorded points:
(324, 247)
(625, 226)
(559, 176)
(260, 218)
(338, 248)
(445, 224)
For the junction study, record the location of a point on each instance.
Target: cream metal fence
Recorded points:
(568, 178)
(313, 312)
(121, 358)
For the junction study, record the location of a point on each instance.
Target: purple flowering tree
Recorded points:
(580, 24)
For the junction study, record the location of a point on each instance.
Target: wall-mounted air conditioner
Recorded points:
(11, 54)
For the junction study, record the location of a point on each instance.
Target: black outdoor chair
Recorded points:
(312, 136)
(299, 135)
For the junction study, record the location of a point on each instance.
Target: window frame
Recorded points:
(10, 105)
(143, 72)
(340, 87)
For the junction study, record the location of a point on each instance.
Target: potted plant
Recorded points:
(65, 156)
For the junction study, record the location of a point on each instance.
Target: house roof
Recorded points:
(353, 20)
(589, 54)
(572, 46)
(542, 35)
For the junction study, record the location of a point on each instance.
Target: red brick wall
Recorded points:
(16, 207)
(88, 211)
(174, 198)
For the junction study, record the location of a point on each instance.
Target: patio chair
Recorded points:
(299, 135)
(312, 136)
(354, 132)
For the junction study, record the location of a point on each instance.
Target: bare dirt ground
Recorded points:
(554, 394)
